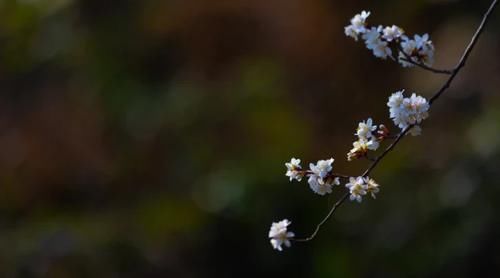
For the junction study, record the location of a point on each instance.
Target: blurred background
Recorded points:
(148, 139)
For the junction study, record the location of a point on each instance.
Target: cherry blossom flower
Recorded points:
(357, 188)
(408, 111)
(365, 129)
(294, 170)
(372, 187)
(357, 26)
(279, 234)
(392, 33)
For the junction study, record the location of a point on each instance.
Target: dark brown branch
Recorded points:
(400, 136)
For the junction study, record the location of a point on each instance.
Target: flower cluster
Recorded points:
(406, 111)
(417, 50)
(384, 41)
(320, 176)
(360, 186)
(320, 180)
(294, 170)
(369, 138)
(280, 235)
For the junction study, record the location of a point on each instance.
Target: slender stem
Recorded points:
(340, 175)
(421, 65)
(400, 136)
(318, 227)
(386, 151)
(425, 67)
(335, 175)
(466, 53)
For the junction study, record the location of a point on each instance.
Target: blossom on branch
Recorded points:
(357, 188)
(408, 111)
(357, 27)
(366, 139)
(419, 50)
(294, 170)
(383, 40)
(392, 33)
(372, 187)
(374, 42)
(365, 129)
(322, 167)
(320, 179)
(279, 234)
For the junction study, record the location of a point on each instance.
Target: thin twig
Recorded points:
(421, 65)
(400, 136)
(332, 210)
(466, 53)
(386, 151)
(340, 175)
(335, 175)
(425, 67)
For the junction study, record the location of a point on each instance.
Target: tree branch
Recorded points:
(453, 73)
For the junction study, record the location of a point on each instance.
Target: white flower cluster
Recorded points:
(358, 25)
(408, 111)
(360, 186)
(280, 235)
(383, 40)
(369, 137)
(294, 170)
(321, 179)
(404, 111)
(319, 175)
(419, 50)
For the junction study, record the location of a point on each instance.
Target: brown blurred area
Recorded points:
(148, 139)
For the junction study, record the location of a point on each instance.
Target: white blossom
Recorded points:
(426, 49)
(322, 167)
(419, 108)
(322, 186)
(319, 181)
(408, 111)
(392, 33)
(357, 26)
(409, 47)
(359, 21)
(294, 170)
(372, 187)
(359, 149)
(421, 41)
(365, 129)
(350, 31)
(357, 188)
(372, 36)
(373, 144)
(279, 235)
(366, 140)
(420, 50)
(382, 50)
(374, 42)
